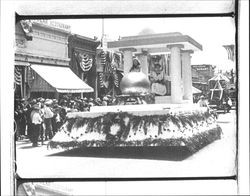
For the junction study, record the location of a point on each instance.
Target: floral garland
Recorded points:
(193, 144)
(193, 130)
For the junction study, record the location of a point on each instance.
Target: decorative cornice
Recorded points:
(144, 52)
(175, 45)
(41, 59)
(187, 51)
(127, 49)
(49, 27)
(154, 40)
(50, 36)
(77, 49)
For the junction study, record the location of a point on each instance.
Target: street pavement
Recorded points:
(216, 159)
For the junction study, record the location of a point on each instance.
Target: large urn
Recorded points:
(135, 83)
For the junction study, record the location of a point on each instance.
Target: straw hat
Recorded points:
(105, 99)
(36, 106)
(48, 102)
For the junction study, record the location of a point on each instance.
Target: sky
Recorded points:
(211, 32)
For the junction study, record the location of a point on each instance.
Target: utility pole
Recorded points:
(102, 32)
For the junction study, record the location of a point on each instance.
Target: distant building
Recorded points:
(200, 76)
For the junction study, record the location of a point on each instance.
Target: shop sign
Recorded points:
(201, 67)
(53, 24)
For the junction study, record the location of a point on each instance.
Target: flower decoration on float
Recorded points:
(193, 130)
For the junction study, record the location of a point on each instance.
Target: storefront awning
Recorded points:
(62, 79)
(196, 90)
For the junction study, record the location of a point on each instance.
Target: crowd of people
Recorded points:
(39, 118)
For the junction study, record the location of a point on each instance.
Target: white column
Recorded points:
(175, 74)
(187, 75)
(128, 59)
(143, 58)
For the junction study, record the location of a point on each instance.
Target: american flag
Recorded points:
(230, 52)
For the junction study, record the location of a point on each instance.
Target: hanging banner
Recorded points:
(230, 52)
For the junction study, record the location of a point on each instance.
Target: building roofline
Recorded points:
(91, 41)
(51, 27)
(153, 39)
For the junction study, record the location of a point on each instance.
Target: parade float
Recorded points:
(139, 125)
(171, 121)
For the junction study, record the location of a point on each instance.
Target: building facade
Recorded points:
(42, 62)
(200, 76)
(82, 53)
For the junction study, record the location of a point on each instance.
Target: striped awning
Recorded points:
(196, 90)
(62, 79)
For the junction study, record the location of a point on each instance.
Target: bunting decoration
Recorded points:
(110, 61)
(116, 79)
(101, 76)
(84, 61)
(27, 28)
(18, 76)
(103, 58)
(110, 66)
(230, 52)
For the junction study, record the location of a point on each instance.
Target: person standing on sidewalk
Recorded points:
(36, 124)
(42, 129)
(48, 115)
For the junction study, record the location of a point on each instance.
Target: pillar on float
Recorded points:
(143, 58)
(187, 75)
(128, 59)
(175, 73)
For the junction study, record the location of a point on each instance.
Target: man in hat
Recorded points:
(91, 102)
(48, 115)
(36, 121)
(57, 118)
(105, 101)
(29, 109)
(202, 102)
(98, 101)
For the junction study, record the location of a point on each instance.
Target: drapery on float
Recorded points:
(142, 125)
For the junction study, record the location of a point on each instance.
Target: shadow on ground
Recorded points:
(153, 153)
